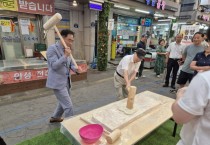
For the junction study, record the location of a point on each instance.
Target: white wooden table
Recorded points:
(132, 132)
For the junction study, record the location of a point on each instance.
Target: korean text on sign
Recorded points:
(9, 5)
(5, 23)
(40, 7)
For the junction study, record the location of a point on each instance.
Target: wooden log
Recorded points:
(131, 96)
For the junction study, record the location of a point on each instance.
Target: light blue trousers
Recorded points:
(64, 103)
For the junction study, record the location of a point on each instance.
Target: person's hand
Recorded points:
(180, 62)
(128, 86)
(79, 70)
(67, 51)
(207, 68)
(199, 71)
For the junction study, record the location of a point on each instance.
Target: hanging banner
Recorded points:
(188, 31)
(10, 5)
(175, 26)
(111, 24)
(43, 7)
(159, 4)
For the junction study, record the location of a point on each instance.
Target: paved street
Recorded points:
(25, 115)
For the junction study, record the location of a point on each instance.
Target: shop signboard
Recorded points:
(159, 4)
(111, 24)
(10, 5)
(167, 7)
(185, 17)
(95, 6)
(29, 75)
(188, 31)
(43, 7)
(128, 20)
(145, 22)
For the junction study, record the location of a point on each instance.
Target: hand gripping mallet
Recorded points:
(52, 23)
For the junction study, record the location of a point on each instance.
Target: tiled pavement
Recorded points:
(25, 115)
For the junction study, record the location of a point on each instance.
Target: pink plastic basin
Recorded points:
(91, 133)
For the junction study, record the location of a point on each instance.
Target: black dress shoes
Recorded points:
(173, 87)
(165, 85)
(54, 120)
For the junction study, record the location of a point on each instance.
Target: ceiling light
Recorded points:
(142, 11)
(74, 3)
(182, 23)
(164, 20)
(122, 7)
(162, 24)
(166, 29)
(100, 1)
(158, 15)
(170, 17)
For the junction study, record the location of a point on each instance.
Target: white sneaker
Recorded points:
(158, 76)
(136, 78)
(143, 76)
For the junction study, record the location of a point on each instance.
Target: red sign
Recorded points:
(29, 75)
(44, 7)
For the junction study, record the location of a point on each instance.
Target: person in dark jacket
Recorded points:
(141, 44)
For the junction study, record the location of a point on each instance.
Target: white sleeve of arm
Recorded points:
(125, 63)
(137, 66)
(195, 98)
(169, 48)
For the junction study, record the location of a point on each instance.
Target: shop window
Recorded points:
(18, 36)
(30, 35)
(10, 38)
(126, 29)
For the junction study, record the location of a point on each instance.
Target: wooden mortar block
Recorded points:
(112, 137)
(131, 96)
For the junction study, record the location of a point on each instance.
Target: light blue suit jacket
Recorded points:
(58, 67)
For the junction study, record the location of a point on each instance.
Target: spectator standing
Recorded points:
(141, 44)
(201, 62)
(189, 53)
(160, 59)
(174, 54)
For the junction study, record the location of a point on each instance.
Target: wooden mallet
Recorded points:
(52, 23)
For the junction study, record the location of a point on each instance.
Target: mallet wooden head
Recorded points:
(52, 21)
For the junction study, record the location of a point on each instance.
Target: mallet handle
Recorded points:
(65, 46)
